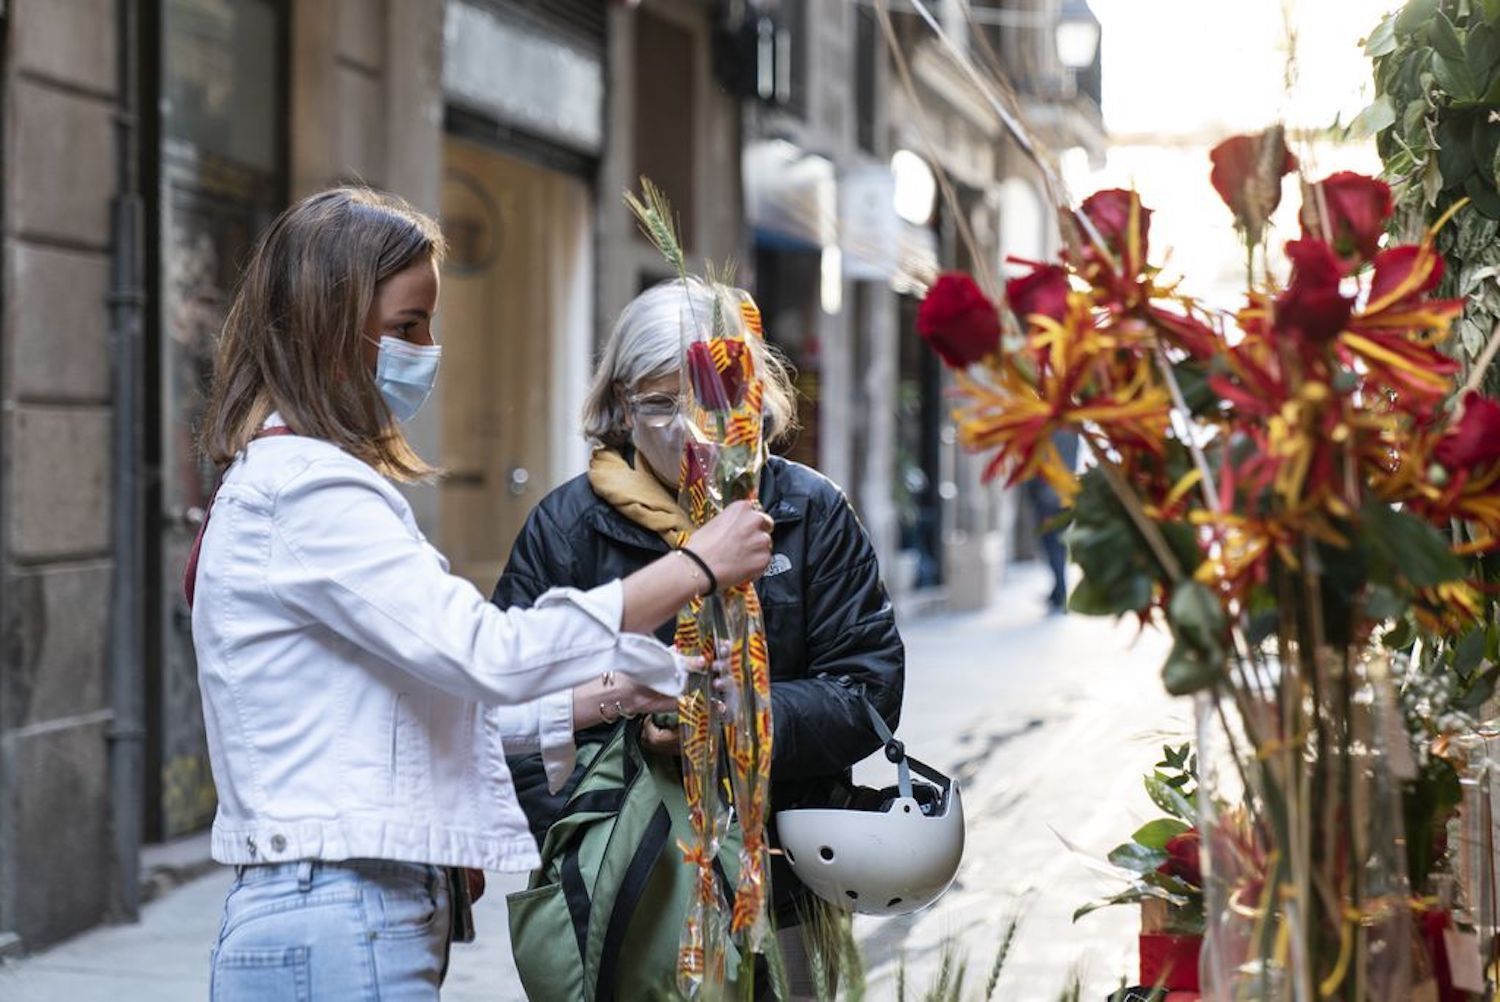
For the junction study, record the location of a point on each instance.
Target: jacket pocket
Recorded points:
(410, 752)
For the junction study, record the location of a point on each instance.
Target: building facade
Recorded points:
(147, 143)
(848, 229)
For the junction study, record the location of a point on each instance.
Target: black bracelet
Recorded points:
(713, 582)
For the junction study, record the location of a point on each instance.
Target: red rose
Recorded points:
(1247, 175)
(718, 373)
(1312, 309)
(1475, 440)
(1357, 208)
(957, 320)
(1183, 858)
(1044, 290)
(1111, 212)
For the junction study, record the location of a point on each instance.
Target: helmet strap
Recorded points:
(895, 751)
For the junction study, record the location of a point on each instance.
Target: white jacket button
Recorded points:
(278, 843)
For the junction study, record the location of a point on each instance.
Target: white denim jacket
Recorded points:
(346, 675)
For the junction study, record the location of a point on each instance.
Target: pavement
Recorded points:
(1047, 721)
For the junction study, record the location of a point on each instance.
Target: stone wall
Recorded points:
(55, 490)
(367, 107)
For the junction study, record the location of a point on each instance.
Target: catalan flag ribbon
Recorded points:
(724, 401)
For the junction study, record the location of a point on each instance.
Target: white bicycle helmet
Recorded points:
(896, 857)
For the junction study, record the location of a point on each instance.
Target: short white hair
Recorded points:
(646, 345)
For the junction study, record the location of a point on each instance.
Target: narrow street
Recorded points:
(1048, 722)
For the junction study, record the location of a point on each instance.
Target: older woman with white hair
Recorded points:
(829, 625)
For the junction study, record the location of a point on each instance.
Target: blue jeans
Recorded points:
(371, 930)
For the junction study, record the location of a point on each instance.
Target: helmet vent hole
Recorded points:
(789, 857)
(893, 902)
(907, 808)
(853, 895)
(827, 853)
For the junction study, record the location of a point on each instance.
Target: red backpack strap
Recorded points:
(190, 572)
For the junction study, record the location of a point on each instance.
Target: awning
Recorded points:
(791, 197)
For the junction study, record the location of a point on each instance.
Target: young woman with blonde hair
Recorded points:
(345, 673)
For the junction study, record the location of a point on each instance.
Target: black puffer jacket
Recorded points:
(829, 623)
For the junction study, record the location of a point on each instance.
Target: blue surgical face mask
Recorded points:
(404, 374)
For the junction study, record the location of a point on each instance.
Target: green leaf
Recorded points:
(1482, 53)
(1187, 671)
(1131, 896)
(1382, 41)
(1453, 76)
(1444, 37)
(1198, 625)
(1377, 117)
(1137, 858)
(1119, 569)
(1156, 834)
(1170, 800)
(1468, 652)
(1492, 11)
(1414, 15)
(1198, 616)
(1400, 636)
(1455, 155)
(1402, 546)
(1383, 603)
(1192, 377)
(1479, 690)
(1481, 191)
(1174, 885)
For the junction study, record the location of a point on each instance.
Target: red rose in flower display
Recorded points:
(1110, 211)
(1183, 859)
(1247, 175)
(719, 374)
(1357, 208)
(1044, 290)
(1475, 440)
(958, 321)
(1312, 308)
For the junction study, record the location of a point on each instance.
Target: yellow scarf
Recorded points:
(634, 492)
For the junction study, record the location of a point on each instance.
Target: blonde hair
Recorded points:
(292, 341)
(646, 344)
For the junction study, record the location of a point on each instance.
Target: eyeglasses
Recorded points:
(655, 410)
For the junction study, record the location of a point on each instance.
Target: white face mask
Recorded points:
(661, 447)
(405, 373)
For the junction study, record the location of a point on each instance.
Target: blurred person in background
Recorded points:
(1047, 506)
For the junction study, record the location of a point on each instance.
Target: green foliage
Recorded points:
(1427, 803)
(1437, 83)
(1172, 785)
(1156, 834)
(1199, 629)
(1120, 573)
(1401, 547)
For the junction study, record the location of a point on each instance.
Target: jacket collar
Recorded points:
(783, 509)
